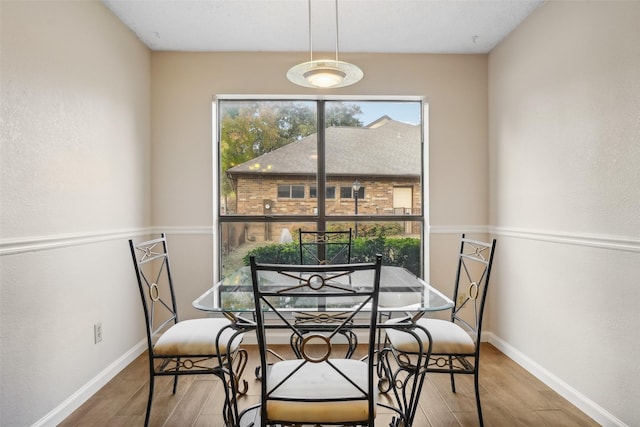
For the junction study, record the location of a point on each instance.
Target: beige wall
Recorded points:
(565, 201)
(83, 169)
(75, 184)
(454, 86)
(185, 83)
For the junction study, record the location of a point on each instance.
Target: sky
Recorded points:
(408, 112)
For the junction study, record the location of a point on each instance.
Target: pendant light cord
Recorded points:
(324, 73)
(337, 32)
(311, 32)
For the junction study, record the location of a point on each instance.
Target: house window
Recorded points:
(330, 192)
(270, 152)
(291, 191)
(348, 193)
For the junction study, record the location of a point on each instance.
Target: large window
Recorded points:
(286, 165)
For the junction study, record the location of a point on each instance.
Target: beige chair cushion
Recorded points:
(448, 338)
(318, 381)
(195, 337)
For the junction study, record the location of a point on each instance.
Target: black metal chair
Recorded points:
(177, 347)
(456, 342)
(325, 247)
(315, 387)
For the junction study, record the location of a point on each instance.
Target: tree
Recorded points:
(342, 114)
(249, 129)
(247, 132)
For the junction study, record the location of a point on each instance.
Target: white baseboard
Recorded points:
(588, 406)
(76, 400)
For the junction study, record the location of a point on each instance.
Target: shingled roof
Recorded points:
(383, 148)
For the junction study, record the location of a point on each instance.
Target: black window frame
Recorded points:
(318, 215)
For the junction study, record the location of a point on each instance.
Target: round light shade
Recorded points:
(325, 74)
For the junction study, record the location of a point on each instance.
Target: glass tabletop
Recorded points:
(400, 291)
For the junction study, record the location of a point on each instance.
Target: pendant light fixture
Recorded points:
(324, 73)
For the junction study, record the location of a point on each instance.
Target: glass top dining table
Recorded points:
(400, 291)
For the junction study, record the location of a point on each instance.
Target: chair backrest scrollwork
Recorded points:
(475, 260)
(325, 247)
(151, 262)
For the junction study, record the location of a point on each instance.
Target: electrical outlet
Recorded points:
(97, 332)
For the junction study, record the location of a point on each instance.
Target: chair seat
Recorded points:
(316, 382)
(447, 337)
(195, 337)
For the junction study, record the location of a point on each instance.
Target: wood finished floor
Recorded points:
(510, 397)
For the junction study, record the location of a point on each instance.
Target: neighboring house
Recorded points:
(385, 158)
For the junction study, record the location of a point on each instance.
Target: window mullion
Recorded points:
(321, 167)
(321, 177)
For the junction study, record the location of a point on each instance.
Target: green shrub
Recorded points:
(398, 251)
(279, 253)
(369, 229)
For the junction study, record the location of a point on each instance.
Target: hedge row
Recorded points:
(402, 252)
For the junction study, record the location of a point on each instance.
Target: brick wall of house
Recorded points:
(254, 194)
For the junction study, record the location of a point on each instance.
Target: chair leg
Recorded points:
(175, 383)
(475, 384)
(453, 380)
(175, 377)
(150, 401)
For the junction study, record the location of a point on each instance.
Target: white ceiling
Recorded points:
(377, 26)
